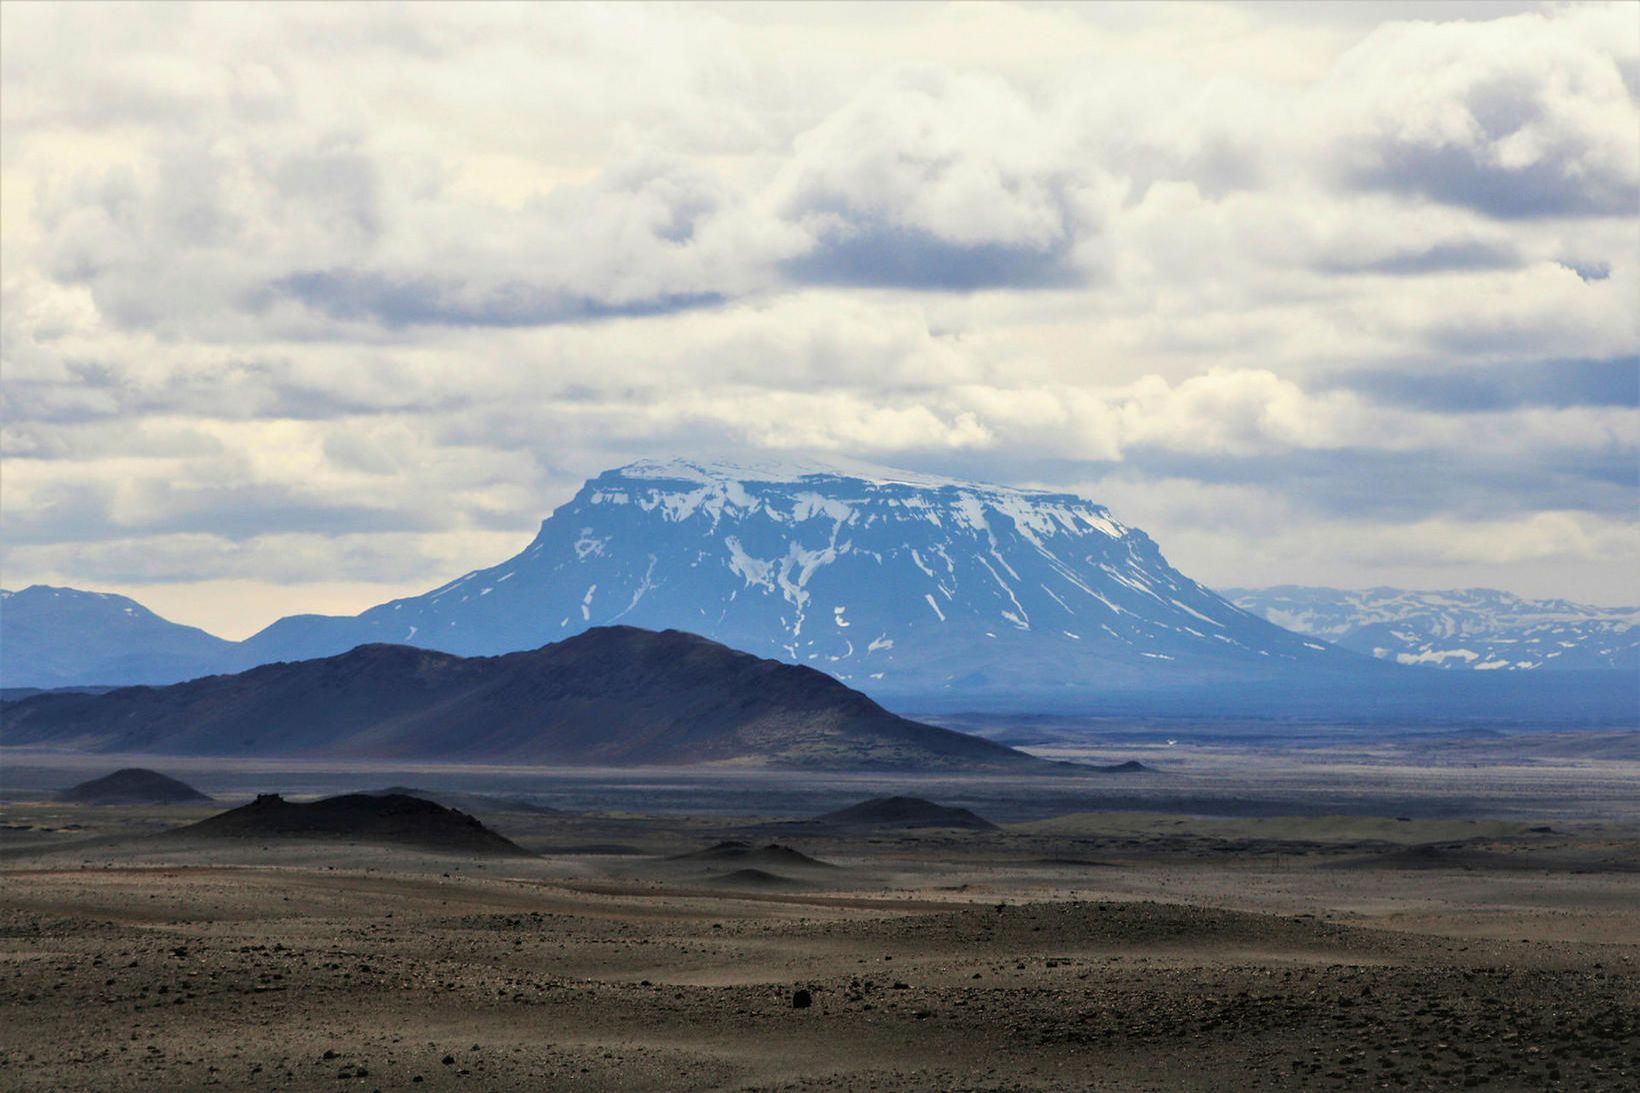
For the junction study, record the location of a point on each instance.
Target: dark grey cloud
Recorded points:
(1463, 256)
(1589, 271)
(1452, 175)
(1552, 384)
(1404, 486)
(878, 255)
(426, 301)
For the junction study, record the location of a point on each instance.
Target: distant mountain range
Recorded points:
(1473, 628)
(612, 696)
(928, 593)
(59, 637)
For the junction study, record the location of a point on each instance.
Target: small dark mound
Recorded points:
(391, 818)
(774, 854)
(757, 878)
(1132, 766)
(906, 812)
(132, 786)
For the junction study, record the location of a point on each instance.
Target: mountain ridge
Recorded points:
(611, 696)
(52, 636)
(1479, 629)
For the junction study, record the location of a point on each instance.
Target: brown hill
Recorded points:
(356, 817)
(612, 696)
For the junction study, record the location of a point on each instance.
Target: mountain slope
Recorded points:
(613, 696)
(57, 637)
(1474, 628)
(902, 584)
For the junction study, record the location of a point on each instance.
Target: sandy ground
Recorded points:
(1101, 950)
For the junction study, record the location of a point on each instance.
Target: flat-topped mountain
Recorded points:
(133, 786)
(895, 583)
(899, 584)
(612, 696)
(357, 817)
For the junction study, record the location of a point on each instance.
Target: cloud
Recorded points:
(937, 181)
(1614, 382)
(889, 256)
(405, 275)
(356, 295)
(1514, 118)
(288, 558)
(1221, 534)
(1465, 256)
(1396, 487)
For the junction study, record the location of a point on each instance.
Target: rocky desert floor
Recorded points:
(1099, 950)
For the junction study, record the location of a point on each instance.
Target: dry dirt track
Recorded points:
(379, 969)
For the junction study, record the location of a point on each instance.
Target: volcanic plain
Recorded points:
(644, 944)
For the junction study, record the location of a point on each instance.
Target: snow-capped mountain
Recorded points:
(1475, 628)
(53, 637)
(895, 583)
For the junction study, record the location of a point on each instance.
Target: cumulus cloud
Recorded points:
(933, 180)
(1516, 117)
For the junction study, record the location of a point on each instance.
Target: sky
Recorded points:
(306, 307)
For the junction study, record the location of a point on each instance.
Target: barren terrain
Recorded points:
(1136, 949)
